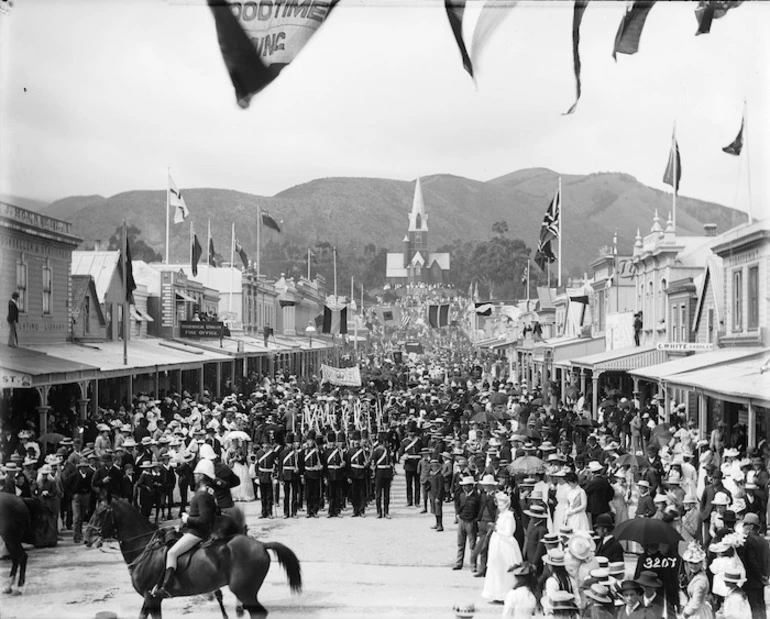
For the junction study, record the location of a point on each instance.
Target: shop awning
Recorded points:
(144, 356)
(185, 296)
(740, 382)
(664, 371)
(138, 314)
(564, 349)
(621, 359)
(27, 367)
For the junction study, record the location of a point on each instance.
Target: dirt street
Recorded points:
(350, 567)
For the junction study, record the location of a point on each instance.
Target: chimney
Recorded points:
(98, 245)
(710, 229)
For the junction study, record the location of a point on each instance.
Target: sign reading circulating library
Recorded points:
(685, 346)
(199, 329)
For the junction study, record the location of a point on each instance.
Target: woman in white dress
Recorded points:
(560, 511)
(577, 502)
(697, 606)
(240, 466)
(503, 552)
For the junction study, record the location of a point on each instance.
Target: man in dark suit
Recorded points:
(652, 598)
(713, 485)
(534, 549)
(467, 505)
(12, 320)
(598, 490)
(607, 546)
(485, 522)
(755, 554)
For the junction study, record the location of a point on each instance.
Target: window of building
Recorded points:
(47, 287)
(21, 283)
(752, 308)
(674, 324)
(661, 316)
(710, 325)
(738, 300)
(86, 315)
(683, 322)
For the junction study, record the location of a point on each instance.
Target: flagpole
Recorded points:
(352, 290)
(208, 253)
(168, 206)
(308, 264)
(528, 282)
(190, 250)
(561, 224)
(232, 266)
(259, 238)
(748, 160)
(335, 273)
(675, 183)
(124, 264)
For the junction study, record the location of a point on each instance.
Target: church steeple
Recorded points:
(418, 219)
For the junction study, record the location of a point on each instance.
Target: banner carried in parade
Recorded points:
(342, 377)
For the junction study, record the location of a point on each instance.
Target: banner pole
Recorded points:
(561, 234)
(168, 206)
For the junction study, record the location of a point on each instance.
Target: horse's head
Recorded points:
(101, 526)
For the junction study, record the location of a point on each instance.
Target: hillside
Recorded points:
(348, 211)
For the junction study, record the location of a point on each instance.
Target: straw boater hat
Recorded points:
(580, 547)
(733, 578)
(617, 568)
(599, 593)
(562, 600)
(554, 557)
(536, 511)
(550, 538)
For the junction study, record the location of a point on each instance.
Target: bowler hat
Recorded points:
(630, 585)
(649, 579)
(603, 520)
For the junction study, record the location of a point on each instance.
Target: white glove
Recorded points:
(185, 516)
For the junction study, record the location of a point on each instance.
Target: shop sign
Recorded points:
(200, 329)
(14, 380)
(685, 346)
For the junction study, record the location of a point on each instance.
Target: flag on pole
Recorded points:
(242, 253)
(405, 319)
(212, 253)
(176, 201)
(736, 146)
(335, 320)
(630, 29)
(268, 221)
(258, 42)
(130, 283)
(438, 315)
(268, 333)
(673, 173)
(549, 230)
(195, 253)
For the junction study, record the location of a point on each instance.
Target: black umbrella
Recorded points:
(584, 423)
(647, 531)
(484, 417)
(633, 460)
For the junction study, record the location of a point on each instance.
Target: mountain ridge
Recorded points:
(353, 211)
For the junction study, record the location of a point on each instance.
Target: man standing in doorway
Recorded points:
(13, 319)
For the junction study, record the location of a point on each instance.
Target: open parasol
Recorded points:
(537, 402)
(51, 437)
(484, 417)
(526, 465)
(237, 435)
(632, 460)
(647, 531)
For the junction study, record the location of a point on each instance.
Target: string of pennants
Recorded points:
(353, 412)
(258, 40)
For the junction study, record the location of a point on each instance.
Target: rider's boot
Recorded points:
(161, 589)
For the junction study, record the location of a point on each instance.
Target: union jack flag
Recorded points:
(549, 230)
(405, 320)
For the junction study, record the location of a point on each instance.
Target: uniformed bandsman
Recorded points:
(357, 464)
(288, 467)
(382, 463)
(265, 466)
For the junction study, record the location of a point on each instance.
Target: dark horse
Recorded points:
(239, 561)
(23, 521)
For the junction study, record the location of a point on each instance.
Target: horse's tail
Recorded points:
(290, 563)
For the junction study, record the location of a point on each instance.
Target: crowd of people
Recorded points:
(537, 489)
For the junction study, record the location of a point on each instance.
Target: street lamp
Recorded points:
(309, 331)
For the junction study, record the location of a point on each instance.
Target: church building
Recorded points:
(415, 263)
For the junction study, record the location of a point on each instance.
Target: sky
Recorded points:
(103, 96)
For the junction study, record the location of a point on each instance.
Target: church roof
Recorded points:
(417, 259)
(418, 219)
(394, 265)
(442, 259)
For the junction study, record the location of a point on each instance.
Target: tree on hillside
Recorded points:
(500, 227)
(139, 249)
(498, 263)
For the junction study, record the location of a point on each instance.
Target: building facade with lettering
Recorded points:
(35, 262)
